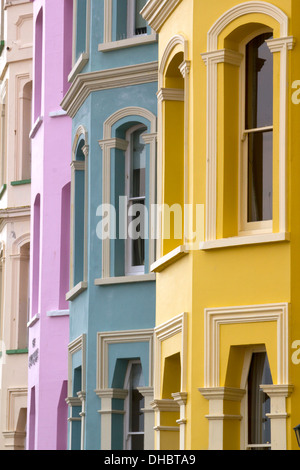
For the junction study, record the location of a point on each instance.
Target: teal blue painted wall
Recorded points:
(121, 306)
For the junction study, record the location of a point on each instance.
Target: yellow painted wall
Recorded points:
(236, 276)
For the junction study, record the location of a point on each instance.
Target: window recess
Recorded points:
(257, 151)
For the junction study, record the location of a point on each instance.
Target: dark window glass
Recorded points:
(259, 431)
(259, 83)
(140, 23)
(136, 405)
(137, 195)
(260, 176)
(259, 114)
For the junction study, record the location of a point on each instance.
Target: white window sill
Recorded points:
(36, 127)
(33, 320)
(78, 66)
(125, 279)
(129, 42)
(170, 258)
(245, 240)
(73, 293)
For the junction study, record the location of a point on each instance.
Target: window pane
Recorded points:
(259, 83)
(260, 176)
(140, 23)
(137, 442)
(259, 431)
(138, 164)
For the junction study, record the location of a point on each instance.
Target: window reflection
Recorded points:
(259, 122)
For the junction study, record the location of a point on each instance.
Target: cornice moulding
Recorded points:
(86, 83)
(156, 12)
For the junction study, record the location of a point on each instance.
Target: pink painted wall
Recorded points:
(50, 182)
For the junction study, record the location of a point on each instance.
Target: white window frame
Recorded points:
(245, 227)
(135, 40)
(212, 58)
(127, 434)
(129, 269)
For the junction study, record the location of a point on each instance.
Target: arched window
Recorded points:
(128, 193)
(246, 169)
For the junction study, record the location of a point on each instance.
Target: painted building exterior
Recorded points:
(227, 300)
(112, 102)
(15, 99)
(48, 325)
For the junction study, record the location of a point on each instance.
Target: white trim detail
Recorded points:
(170, 258)
(278, 414)
(86, 83)
(156, 12)
(245, 240)
(214, 318)
(114, 337)
(244, 9)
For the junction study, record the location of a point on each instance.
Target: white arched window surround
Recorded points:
(109, 142)
(212, 57)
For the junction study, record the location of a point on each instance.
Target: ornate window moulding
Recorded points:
(115, 337)
(78, 344)
(107, 143)
(212, 57)
(156, 12)
(86, 83)
(177, 325)
(215, 318)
